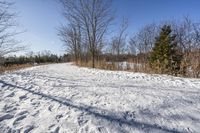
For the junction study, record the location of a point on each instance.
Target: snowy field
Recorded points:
(62, 98)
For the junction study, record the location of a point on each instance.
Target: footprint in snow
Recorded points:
(14, 131)
(22, 97)
(18, 119)
(58, 117)
(10, 95)
(81, 121)
(28, 128)
(51, 126)
(102, 130)
(6, 117)
(54, 128)
(35, 104)
(35, 113)
(22, 113)
(129, 115)
(50, 108)
(9, 108)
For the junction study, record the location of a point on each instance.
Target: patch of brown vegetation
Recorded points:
(14, 68)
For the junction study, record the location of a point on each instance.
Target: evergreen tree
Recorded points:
(165, 57)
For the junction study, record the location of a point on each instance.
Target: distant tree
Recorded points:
(71, 36)
(144, 40)
(166, 56)
(119, 40)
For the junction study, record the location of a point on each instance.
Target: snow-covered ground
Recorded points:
(62, 98)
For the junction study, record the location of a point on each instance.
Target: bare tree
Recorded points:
(94, 17)
(196, 27)
(141, 44)
(187, 34)
(144, 40)
(8, 44)
(132, 46)
(119, 41)
(71, 36)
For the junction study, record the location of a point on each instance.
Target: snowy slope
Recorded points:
(62, 98)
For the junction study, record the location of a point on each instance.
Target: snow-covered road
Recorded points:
(63, 98)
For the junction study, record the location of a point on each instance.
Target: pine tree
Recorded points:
(165, 57)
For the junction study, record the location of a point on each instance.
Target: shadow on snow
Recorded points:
(97, 112)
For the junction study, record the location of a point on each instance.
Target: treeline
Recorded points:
(34, 59)
(169, 47)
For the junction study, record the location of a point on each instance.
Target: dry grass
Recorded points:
(14, 68)
(98, 65)
(113, 67)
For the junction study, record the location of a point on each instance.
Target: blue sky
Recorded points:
(40, 18)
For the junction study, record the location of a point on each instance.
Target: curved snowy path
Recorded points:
(62, 98)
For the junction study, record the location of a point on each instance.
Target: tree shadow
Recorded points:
(103, 114)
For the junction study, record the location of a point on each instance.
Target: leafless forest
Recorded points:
(90, 40)
(86, 38)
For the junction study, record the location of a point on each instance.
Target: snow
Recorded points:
(126, 65)
(62, 98)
